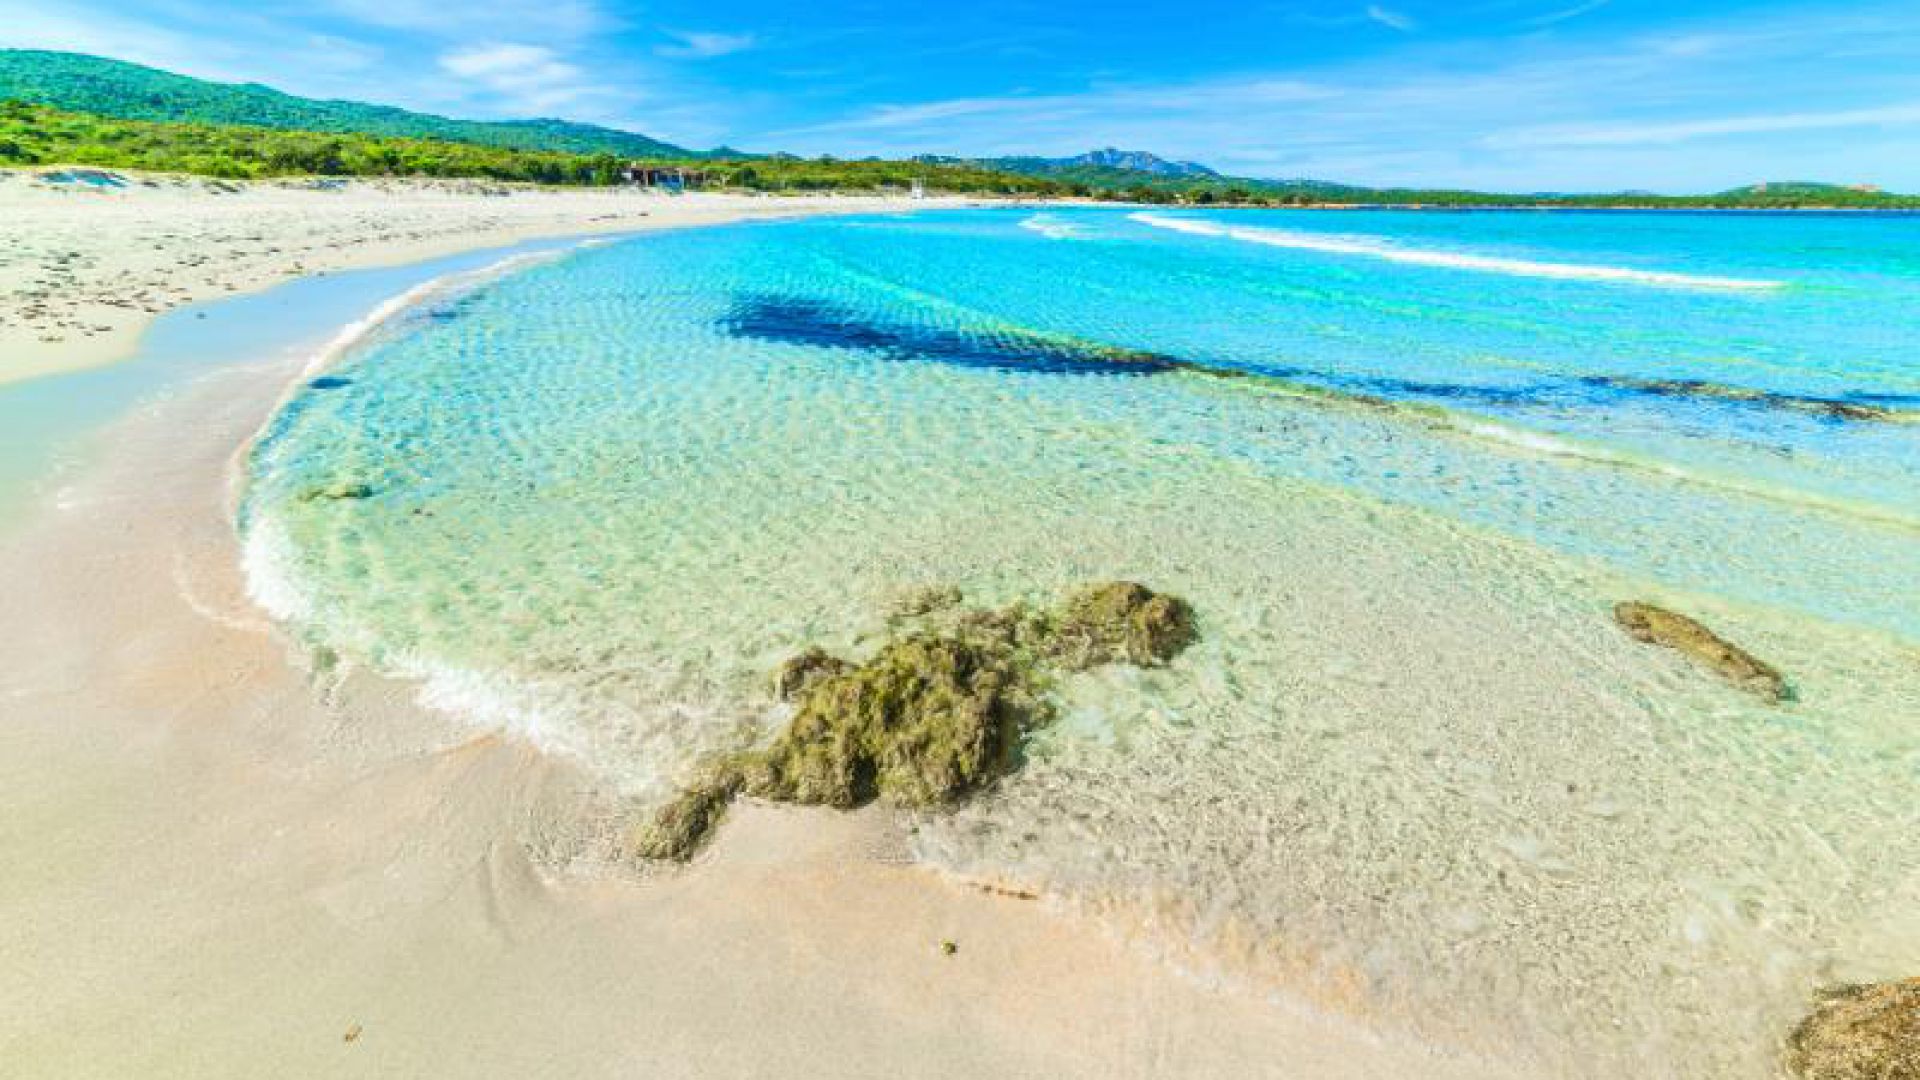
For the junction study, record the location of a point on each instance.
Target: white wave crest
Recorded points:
(266, 559)
(1377, 248)
(1051, 227)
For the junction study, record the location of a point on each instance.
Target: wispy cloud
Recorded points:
(531, 76)
(700, 45)
(1588, 113)
(1666, 134)
(1391, 19)
(542, 20)
(1020, 115)
(1553, 18)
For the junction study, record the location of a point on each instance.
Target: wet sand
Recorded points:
(222, 863)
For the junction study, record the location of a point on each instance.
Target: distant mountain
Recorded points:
(1097, 163)
(131, 92)
(1139, 161)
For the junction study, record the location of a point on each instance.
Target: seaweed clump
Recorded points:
(932, 716)
(937, 713)
(1658, 626)
(1864, 1032)
(1120, 622)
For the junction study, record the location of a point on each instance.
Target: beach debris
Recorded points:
(1658, 626)
(949, 947)
(337, 492)
(1010, 892)
(936, 713)
(352, 1034)
(1868, 1031)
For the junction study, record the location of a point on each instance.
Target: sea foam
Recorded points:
(1377, 248)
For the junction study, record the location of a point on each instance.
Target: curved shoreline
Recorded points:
(264, 857)
(274, 593)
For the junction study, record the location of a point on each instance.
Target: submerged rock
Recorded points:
(804, 670)
(937, 713)
(925, 600)
(1866, 1032)
(337, 492)
(929, 718)
(1658, 626)
(680, 827)
(1120, 621)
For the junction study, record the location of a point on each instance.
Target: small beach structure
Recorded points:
(672, 179)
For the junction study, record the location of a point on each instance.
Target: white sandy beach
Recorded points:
(84, 269)
(223, 864)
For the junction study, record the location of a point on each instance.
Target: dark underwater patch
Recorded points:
(1881, 408)
(794, 320)
(799, 320)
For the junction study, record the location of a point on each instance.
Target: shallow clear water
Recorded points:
(1413, 765)
(48, 424)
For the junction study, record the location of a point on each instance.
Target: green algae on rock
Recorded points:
(804, 670)
(934, 715)
(1658, 626)
(678, 829)
(1120, 621)
(925, 600)
(1864, 1032)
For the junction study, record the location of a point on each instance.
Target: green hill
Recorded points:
(93, 84)
(1803, 189)
(39, 135)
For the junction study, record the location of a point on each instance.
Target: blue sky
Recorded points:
(1497, 94)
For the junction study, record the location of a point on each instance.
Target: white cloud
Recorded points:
(1538, 112)
(530, 77)
(1905, 115)
(546, 20)
(699, 45)
(1553, 18)
(1392, 19)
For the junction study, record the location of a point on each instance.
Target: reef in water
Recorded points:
(799, 320)
(1866, 1032)
(937, 713)
(1825, 408)
(1658, 626)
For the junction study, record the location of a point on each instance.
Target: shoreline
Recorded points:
(91, 269)
(228, 863)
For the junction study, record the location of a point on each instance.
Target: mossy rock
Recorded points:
(937, 713)
(678, 829)
(1658, 626)
(802, 671)
(924, 600)
(930, 717)
(1866, 1032)
(1120, 621)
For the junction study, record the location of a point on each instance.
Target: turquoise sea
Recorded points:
(1401, 463)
